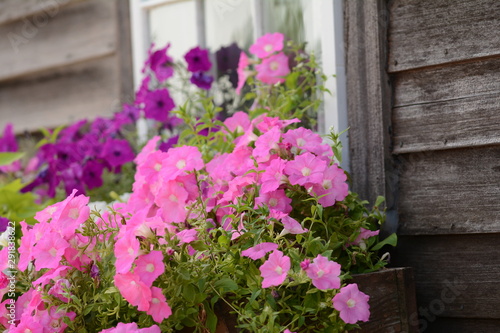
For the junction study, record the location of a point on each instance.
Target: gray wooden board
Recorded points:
(462, 325)
(392, 300)
(456, 276)
(450, 191)
(431, 32)
(13, 10)
(79, 91)
(76, 33)
(368, 100)
(456, 123)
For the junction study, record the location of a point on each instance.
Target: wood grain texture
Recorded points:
(456, 276)
(13, 10)
(453, 325)
(432, 32)
(392, 300)
(79, 91)
(124, 54)
(77, 33)
(457, 123)
(450, 191)
(368, 97)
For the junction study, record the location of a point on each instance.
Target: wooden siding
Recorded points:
(63, 60)
(443, 65)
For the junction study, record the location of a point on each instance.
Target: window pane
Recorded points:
(176, 24)
(228, 21)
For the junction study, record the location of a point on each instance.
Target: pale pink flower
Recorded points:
(260, 250)
(275, 200)
(267, 144)
(158, 307)
(324, 273)
(265, 123)
(149, 267)
(133, 290)
(267, 44)
(52, 274)
(149, 170)
(275, 269)
(187, 236)
(242, 71)
(352, 304)
(72, 212)
(180, 160)
(288, 331)
(126, 250)
(53, 321)
(273, 175)
(131, 328)
(364, 234)
(291, 226)
(172, 198)
(149, 148)
(305, 169)
(239, 122)
(49, 250)
(333, 187)
(302, 139)
(239, 186)
(273, 69)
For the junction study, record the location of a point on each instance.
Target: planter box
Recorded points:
(392, 303)
(392, 300)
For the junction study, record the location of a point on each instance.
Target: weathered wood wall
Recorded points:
(442, 59)
(63, 60)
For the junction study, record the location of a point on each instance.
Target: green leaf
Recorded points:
(8, 158)
(379, 201)
(189, 292)
(211, 321)
(226, 284)
(391, 240)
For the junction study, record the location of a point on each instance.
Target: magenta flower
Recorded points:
(161, 64)
(158, 104)
(92, 174)
(273, 69)
(49, 250)
(197, 60)
(131, 328)
(273, 175)
(242, 72)
(275, 269)
(149, 267)
(202, 80)
(260, 250)
(302, 139)
(333, 187)
(117, 152)
(305, 169)
(267, 44)
(352, 304)
(267, 144)
(324, 273)
(133, 290)
(180, 160)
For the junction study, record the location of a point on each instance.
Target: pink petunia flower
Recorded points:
(273, 175)
(273, 69)
(267, 144)
(302, 139)
(291, 226)
(180, 160)
(158, 307)
(53, 321)
(172, 198)
(305, 169)
(324, 273)
(126, 251)
(364, 234)
(242, 71)
(49, 250)
(275, 269)
(275, 200)
(187, 236)
(288, 331)
(267, 44)
(332, 187)
(149, 267)
(131, 328)
(134, 290)
(260, 250)
(352, 304)
(239, 122)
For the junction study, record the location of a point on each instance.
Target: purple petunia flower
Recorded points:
(202, 80)
(161, 64)
(197, 60)
(158, 103)
(92, 174)
(4, 222)
(166, 145)
(117, 152)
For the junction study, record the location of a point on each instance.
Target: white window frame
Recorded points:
(332, 56)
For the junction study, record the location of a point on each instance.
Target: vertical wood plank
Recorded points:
(124, 52)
